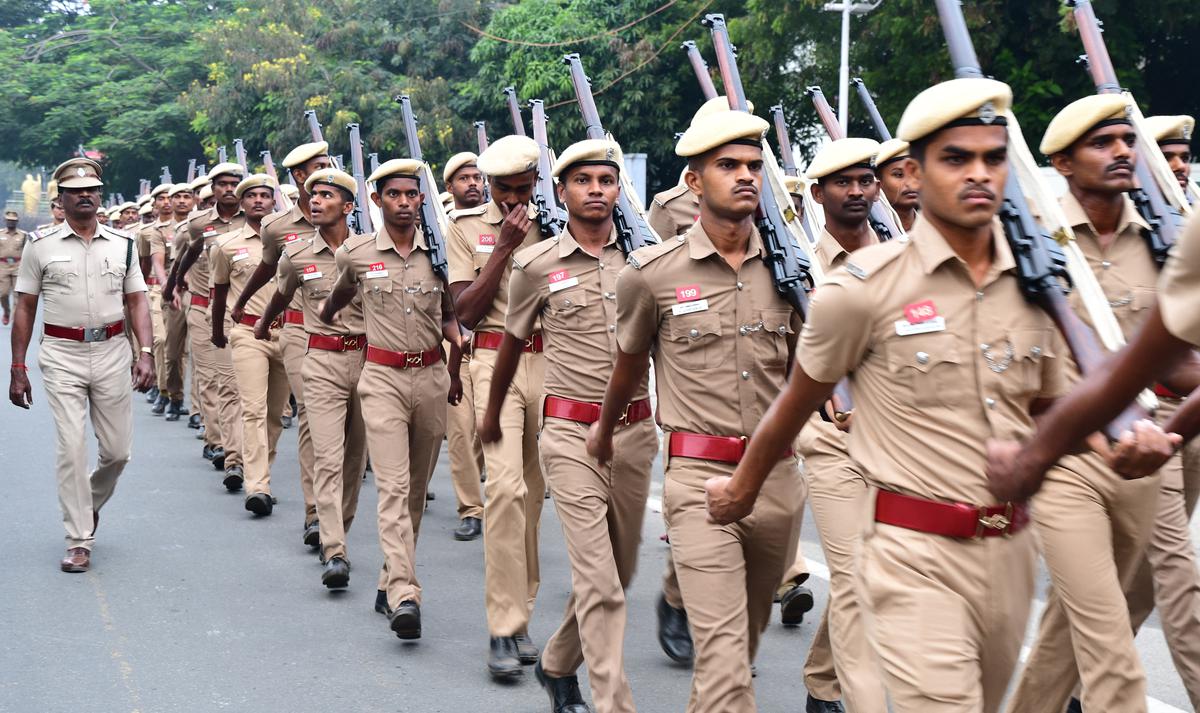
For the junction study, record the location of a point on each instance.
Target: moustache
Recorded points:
(1116, 165)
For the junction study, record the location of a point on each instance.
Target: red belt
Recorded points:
(293, 316)
(152, 281)
(1164, 392)
(88, 334)
(337, 342)
(950, 519)
(199, 301)
(726, 449)
(10, 260)
(491, 340)
(404, 360)
(585, 412)
(252, 319)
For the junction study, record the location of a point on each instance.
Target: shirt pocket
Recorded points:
(695, 341)
(1015, 360)
(928, 370)
(113, 278)
(377, 291)
(771, 336)
(59, 277)
(568, 309)
(426, 296)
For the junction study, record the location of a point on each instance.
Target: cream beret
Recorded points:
(1080, 117)
(143, 200)
(229, 168)
(457, 161)
(891, 150)
(11, 215)
(254, 180)
(509, 156)
(709, 132)
(199, 183)
(590, 152)
(146, 209)
(160, 188)
(333, 177)
(446, 197)
(842, 154)
(395, 167)
(290, 191)
(113, 212)
(1171, 129)
(715, 105)
(205, 192)
(305, 152)
(179, 188)
(957, 102)
(127, 205)
(78, 173)
(793, 184)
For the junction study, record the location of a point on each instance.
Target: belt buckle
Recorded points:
(623, 420)
(411, 360)
(349, 343)
(95, 334)
(528, 345)
(996, 522)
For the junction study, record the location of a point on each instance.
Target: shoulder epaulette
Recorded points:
(526, 255)
(461, 212)
(644, 256)
(356, 241)
(119, 232)
(201, 216)
(865, 262)
(670, 194)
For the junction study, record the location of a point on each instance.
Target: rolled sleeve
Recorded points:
(287, 279)
(525, 304)
(1179, 287)
(219, 265)
(637, 312)
(837, 333)
(29, 275)
(460, 255)
(346, 277)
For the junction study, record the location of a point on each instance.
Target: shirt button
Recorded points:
(742, 331)
(979, 296)
(984, 347)
(693, 333)
(740, 285)
(408, 310)
(991, 403)
(922, 358)
(566, 303)
(1036, 351)
(1105, 264)
(746, 375)
(612, 327)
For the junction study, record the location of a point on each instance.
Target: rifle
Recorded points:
(785, 143)
(361, 217)
(239, 153)
(633, 231)
(700, 67)
(514, 108)
(1164, 216)
(144, 187)
(221, 155)
(481, 135)
(282, 202)
(314, 132)
(191, 170)
(431, 222)
(1041, 263)
(551, 218)
(868, 103)
(166, 176)
(373, 161)
(201, 170)
(882, 219)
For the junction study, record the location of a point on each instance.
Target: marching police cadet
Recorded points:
(480, 245)
(178, 248)
(162, 258)
(945, 574)
(262, 383)
(331, 371)
(722, 335)
(12, 241)
(279, 230)
(674, 211)
(205, 198)
(1174, 137)
(568, 284)
(896, 179)
(292, 192)
(160, 207)
(404, 384)
(128, 213)
(795, 186)
(87, 277)
(102, 217)
(1085, 630)
(213, 367)
(57, 216)
(464, 182)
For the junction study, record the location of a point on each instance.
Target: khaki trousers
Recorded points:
(728, 574)
(1167, 578)
(8, 277)
(514, 494)
(1092, 526)
(204, 373)
(171, 382)
(945, 616)
(404, 411)
(335, 420)
(229, 406)
(293, 340)
(601, 510)
(159, 329)
(263, 387)
(465, 449)
(87, 382)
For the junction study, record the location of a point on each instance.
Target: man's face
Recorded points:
(899, 185)
(56, 210)
(847, 195)
(80, 204)
(1101, 161)
(728, 180)
(1179, 158)
(963, 176)
(10, 223)
(182, 202)
(466, 185)
(102, 217)
(162, 204)
(257, 202)
(590, 192)
(301, 173)
(328, 205)
(399, 200)
(223, 187)
(129, 215)
(207, 203)
(510, 191)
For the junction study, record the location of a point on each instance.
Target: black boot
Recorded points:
(673, 634)
(160, 405)
(152, 395)
(816, 705)
(563, 691)
(794, 604)
(175, 410)
(405, 621)
(502, 657)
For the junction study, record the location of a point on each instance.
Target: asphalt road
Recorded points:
(192, 604)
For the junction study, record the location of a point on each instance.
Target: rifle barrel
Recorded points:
(825, 112)
(314, 126)
(785, 142)
(868, 102)
(700, 67)
(514, 109)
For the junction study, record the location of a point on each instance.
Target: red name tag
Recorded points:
(560, 276)
(487, 239)
(687, 293)
(243, 251)
(919, 312)
(310, 268)
(375, 266)
(208, 228)
(290, 238)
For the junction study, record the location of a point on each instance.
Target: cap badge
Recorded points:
(81, 172)
(987, 113)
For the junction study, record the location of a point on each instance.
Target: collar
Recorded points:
(319, 243)
(1077, 217)
(384, 242)
(567, 243)
(494, 215)
(933, 250)
(700, 245)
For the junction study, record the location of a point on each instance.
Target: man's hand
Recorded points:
(599, 444)
(326, 316)
(1012, 476)
(842, 424)
(1142, 451)
(512, 231)
(454, 396)
(725, 505)
(19, 392)
(236, 315)
(489, 428)
(143, 372)
(262, 330)
(168, 294)
(218, 338)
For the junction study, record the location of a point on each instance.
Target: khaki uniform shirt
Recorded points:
(937, 365)
(11, 245)
(673, 211)
(282, 229)
(1179, 287)
(574, 295)
(720, 337)
(234, 258)
(207, 225)
(162, 240)
(401, 297)
(308, 271)
(82, 284)
(469, 244)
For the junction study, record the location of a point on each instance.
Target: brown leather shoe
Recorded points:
(78, 559)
